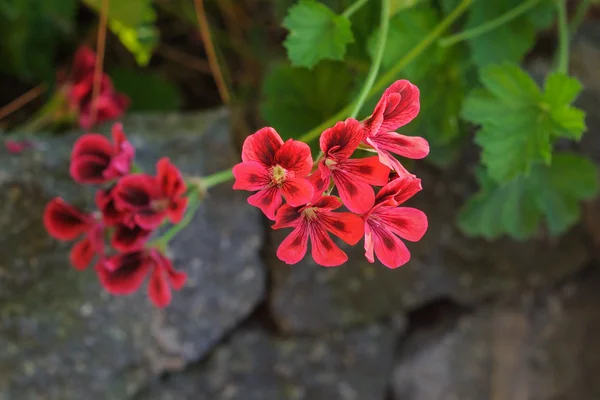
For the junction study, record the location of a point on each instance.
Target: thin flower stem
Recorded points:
(216, 178)
(379, 50)
(22, 100)
(210, 51)
(98, 67)
(393, 73)
(578, 17)
(563, 38)
(490, 25)
(193, 205)
(354, 7)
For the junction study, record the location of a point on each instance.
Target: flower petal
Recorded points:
(402, 105)
(369, 169)
(407, 222)
(65, 222)
(127, 238)
(106, 204)
(324, 251)
(268, 200)
(387, 159)
(328, 203)
(250, 175)
(390, 250)
(149, 219)
(92, 144)
(89, 168)
(340, 141)
(319, 183)
(414, 147)
(262, 146)
(176, 209)
(347, 226)
(295, 156)
(135, 192)
(297, 191)
(356, 194)
(159, 290)
(293, 248)
(287, 217)
(169, 178)
(369, 243)
(81, 254)
(400, 189)
(124, 273)
(176, 278)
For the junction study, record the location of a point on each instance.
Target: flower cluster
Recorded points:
(279, 170)
(131, 206)
(77, 89)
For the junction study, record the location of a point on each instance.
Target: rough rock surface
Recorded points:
(538, 349)
(61, 336)
(253, 365)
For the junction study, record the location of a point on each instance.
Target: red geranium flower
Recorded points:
(149, 200)
(95, 160)
(386, 221)
(124, 273)
(109, 104)
(65, 222)
(129, 238)
(314, 221)
(105, 201)
(17, 146)
(352, 177)
(398, 106)
(274, 168)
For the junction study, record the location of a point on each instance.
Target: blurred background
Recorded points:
(500, 300)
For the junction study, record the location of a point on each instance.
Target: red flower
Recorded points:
(84, 62)
(123, 274)
(17, 146)
(65, 222)
(109, 104)
(129, 238)
(314, 221)
(274, 168)
(95, 160)
(398, 106)
(149, 200)
(105, 201)
(386, 221)
(352, 177)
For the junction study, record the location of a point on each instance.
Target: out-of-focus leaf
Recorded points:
(147, 91)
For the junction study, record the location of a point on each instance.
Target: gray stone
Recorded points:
(255, 366)
(534, 350)
(445, 264)
(61, 336)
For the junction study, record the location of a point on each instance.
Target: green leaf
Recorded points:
(516, 208)
(316, 33)
(147, 91)
(297, 100)
(519, 122)
(133, 23)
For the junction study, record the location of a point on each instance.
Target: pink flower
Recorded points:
(274, 169)
(386, 223)
(352, 177)
(95, 159)
(398, 106)
(17, 146)
(314, 221)
(124, 273)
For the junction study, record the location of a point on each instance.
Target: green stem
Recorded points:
(490, 25)
(353, 8)
(389, 77)
(216, 178)
(580, 13)
(379, 50)
(563, 38)
(193, 205)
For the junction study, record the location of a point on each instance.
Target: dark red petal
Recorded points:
(106, 204)
(324, 251)
(414, 147)
(268, 200)
(390, 250)
(402, 105)
(135, 192)
(356, 194)
(81, 254)
(149, 219)
(328, 203)
(369, 169)
(293, 248)
(92, 144)
(176, 210)
(84, 61)
(287, 217)
(297, 191)
(89, 168)
(250, 175)
(262, 146)
(169, 178)
(124, 273)
(347, 226)
(407, 222)
(65, 222)
(127, 238)
(176, 278)
(295, 157)
(339, 142)
(159, 290)
(124, 154)
(400, 189)
(387, 159)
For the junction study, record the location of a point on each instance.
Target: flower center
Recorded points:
(278, 174)
(330, 163)
(159, 204)
(309, 213)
